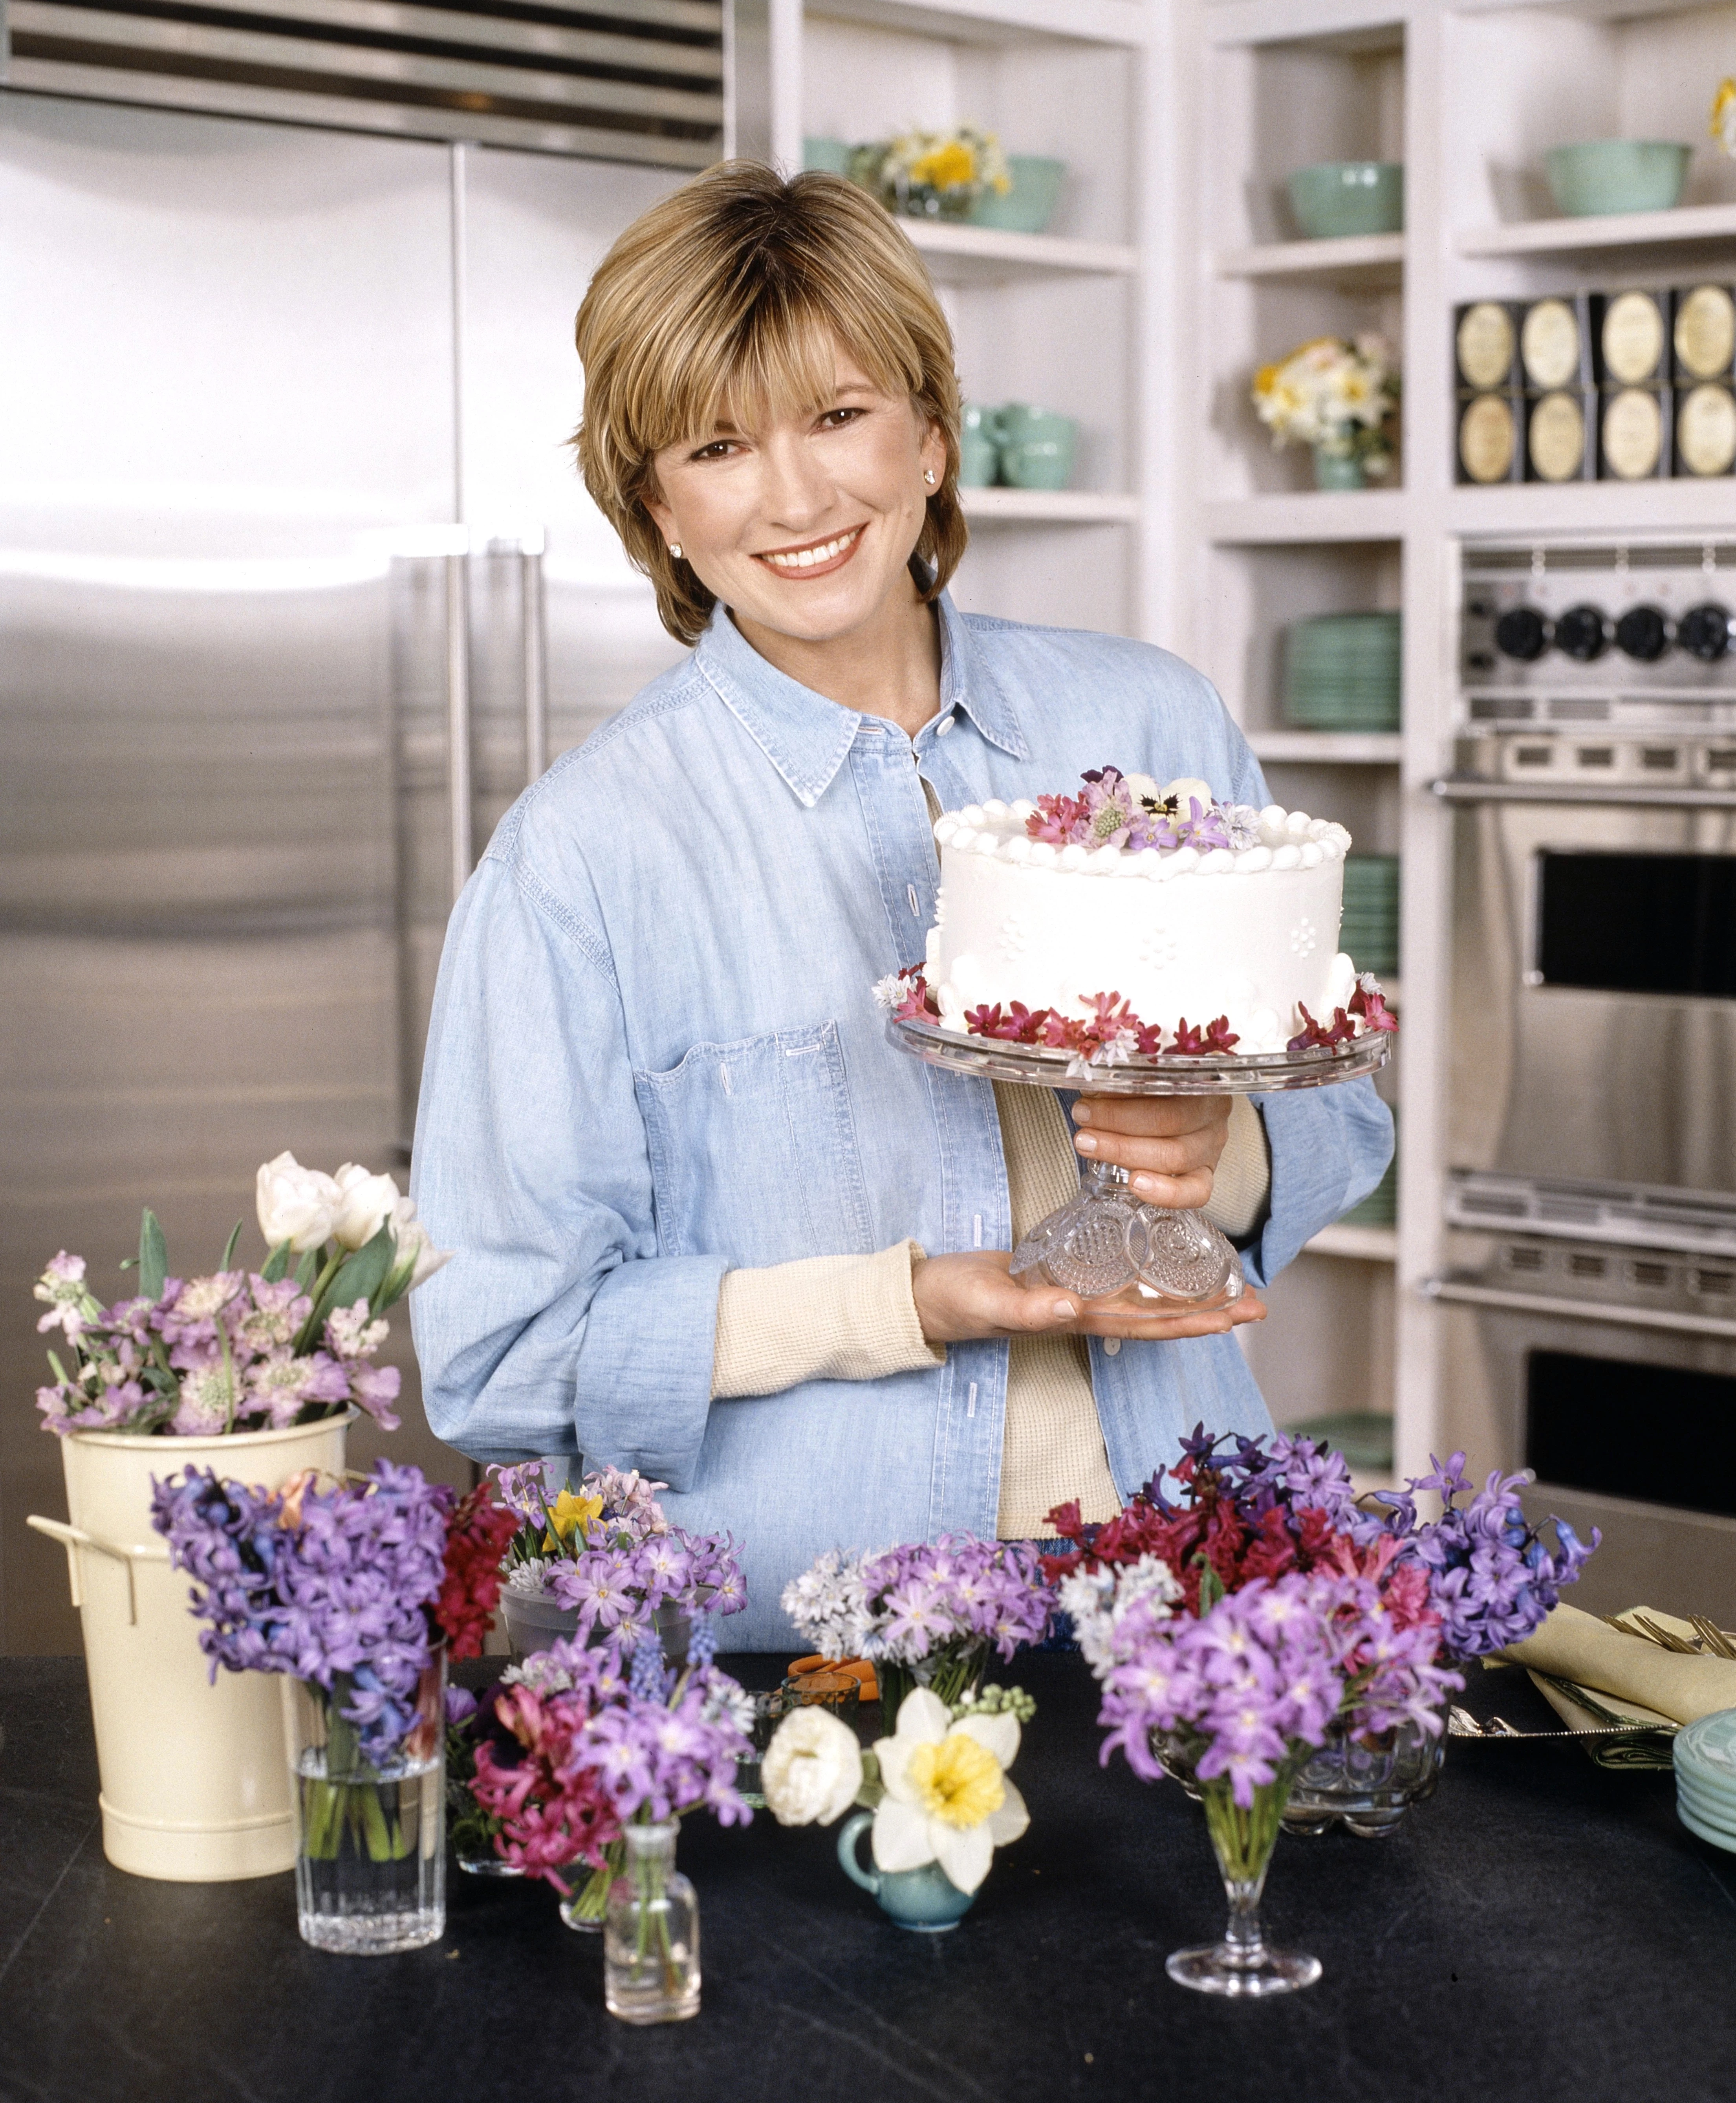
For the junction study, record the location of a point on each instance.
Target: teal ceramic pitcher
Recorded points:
(926, 1900)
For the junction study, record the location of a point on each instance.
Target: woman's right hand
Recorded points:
(968, 1298)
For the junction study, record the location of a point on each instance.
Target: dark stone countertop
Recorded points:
(1541, 1929)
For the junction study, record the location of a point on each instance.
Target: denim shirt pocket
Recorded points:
(753, 1150)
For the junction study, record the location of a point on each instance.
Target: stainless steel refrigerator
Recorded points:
(297, 587)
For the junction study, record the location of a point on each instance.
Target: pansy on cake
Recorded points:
(1132, 920)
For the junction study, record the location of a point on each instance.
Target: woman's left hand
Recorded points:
(1169, 1144)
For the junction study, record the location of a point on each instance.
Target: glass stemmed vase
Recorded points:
(1243, 1965)
(1105, 1241)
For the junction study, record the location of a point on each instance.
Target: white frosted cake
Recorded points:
(1190, 912)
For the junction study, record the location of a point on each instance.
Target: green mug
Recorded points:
(1036, 447)
(979, 446)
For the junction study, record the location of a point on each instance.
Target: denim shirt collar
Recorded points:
(805, 736)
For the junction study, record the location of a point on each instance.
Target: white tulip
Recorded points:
(947, 1798)
(296, 1205)
(367, 1202)
(812, 1768)
(413, 1238)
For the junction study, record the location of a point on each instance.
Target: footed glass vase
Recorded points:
(651, 1933)
(369, 1834)
(1107, 1241)
(1243, 1966)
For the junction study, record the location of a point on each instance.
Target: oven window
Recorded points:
(1660, 923)
(1623, 1429)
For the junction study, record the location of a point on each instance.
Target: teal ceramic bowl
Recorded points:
(1605, 176)
(1029, 205)
(832, 155)
(1340, 198)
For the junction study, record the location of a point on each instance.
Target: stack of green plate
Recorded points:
(1365, 1440)
(1368, 933)
(1341, 672)
(1705, 1759)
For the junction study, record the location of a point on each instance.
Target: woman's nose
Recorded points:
(797, 492)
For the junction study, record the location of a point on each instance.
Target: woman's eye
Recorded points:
(835, 420)
(718, 449)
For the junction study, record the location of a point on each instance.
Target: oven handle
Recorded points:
(1470, 1293)
(1475, 789)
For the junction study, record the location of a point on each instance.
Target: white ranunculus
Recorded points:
(366, 1202)
(947, 1798)
(812, 1768)
(296, 1205)
(413, 1239)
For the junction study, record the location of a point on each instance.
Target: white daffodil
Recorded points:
(947, 1798)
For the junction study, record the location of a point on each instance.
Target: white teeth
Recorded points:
(806, 558)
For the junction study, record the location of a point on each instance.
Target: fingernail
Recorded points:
(1064, 1311)
(1086, 1142)
(1149, 1185)
(1082, 1112)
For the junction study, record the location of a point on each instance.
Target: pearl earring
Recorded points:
(675, 549)
(928, 476)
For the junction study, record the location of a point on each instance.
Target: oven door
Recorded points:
(1594, 992)
(1630, 1428)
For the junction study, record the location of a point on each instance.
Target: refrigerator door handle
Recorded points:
(533, 656)
(458, 718)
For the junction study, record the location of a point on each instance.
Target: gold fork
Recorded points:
(1643, 1625)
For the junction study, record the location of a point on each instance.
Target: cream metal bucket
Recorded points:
(194, 1774)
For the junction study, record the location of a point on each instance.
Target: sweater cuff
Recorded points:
(842, 1317)
(1241, 1184)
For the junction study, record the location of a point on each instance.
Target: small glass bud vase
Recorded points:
(651, 1933)
(369, 1833)
(1243, 1966)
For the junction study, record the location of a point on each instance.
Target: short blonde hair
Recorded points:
(726, 299)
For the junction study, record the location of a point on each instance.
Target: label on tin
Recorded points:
(1549, 344)
(1556, 438)
(1485, 345)
(1706, 331)
(1633, 336)
(1486, 438)
(1706, 431)
(1633, 434)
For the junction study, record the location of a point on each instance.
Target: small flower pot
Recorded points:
(1337, 471)
(926, 1901)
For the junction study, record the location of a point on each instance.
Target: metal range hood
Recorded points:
(619, 80)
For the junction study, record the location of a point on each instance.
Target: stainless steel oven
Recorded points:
(1592, 1120)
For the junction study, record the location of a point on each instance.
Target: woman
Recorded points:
(709, 1222)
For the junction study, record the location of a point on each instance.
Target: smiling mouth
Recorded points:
(822, 556)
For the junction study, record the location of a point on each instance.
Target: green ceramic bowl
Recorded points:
(1340, 198)
(830, 155)
(1617, 175)
(1029, 205)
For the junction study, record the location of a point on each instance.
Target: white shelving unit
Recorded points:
(1071, 78)
(1469, 97)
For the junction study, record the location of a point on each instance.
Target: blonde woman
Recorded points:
(709, 1224)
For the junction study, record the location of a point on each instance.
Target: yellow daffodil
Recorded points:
(947, 168)
(569, 1515)
(1723, 126)
(947, 1798)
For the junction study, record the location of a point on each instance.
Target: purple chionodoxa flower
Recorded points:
(957, 1591)
(329, 1585)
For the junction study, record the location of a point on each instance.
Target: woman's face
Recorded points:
(805, 525)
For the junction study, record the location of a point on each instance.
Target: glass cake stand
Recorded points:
(1105, 1241)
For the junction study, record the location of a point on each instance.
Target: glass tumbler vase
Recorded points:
(651, 1933)
(370, 1832)
(1243, 1966)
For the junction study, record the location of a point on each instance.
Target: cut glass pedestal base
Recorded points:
(1242, 1973)
(1107, 1242)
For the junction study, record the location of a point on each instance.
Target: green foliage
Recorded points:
(154, 1256)
(276, 1265)
(229, 1253)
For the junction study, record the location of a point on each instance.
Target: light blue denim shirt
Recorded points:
(654, 1057)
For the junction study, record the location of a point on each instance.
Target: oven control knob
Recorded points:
(1580, 633)
(1704, 632)
(1643, 633)
(1521, 632)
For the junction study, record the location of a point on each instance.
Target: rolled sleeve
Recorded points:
(556, 1327)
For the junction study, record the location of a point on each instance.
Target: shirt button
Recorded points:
(1112, 1346)
(944, 725)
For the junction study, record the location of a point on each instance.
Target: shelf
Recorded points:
(983, 254)
(1076, 507)
(1327, 748)
(1687, 225)
(1610, 510)
(1307, 516)
(1363, 1244)
(1363, 262)
(1000, 21)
